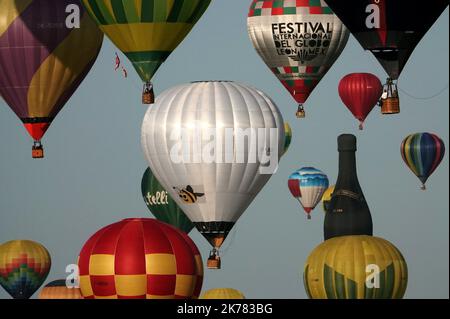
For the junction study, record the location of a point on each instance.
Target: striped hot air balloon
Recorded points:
(307, 185)
(44, 56)
(24, 266)
(422, 153)
(355, 267)
(140, 258)
(146, 31)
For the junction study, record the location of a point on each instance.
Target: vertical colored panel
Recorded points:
(148, 8)
(119, 10)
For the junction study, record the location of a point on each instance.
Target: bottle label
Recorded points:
(346, 193)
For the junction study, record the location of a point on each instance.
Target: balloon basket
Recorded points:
(213, 261)
(148, 95)
(391, 105)
(37, 151)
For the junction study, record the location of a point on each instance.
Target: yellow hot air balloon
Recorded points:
(146, 31)
(288, 137)
(58, 289)
(326, 197)
(222, 293)
(355, 267)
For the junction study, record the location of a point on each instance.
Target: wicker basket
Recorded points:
(390, 105)
(37, 152)
(213, 262)
(300, 114)
(148, 97)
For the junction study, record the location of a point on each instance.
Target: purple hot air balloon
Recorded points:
(47, 47)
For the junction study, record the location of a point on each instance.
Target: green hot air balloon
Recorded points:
(162, 206)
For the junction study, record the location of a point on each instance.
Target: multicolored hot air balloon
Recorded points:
(140, 258)
(58, 289)
(422, 153)
(222, 293)
(391, 30)
(360, 92)
(288, 137)
(146, 31)
(47, 47)
(24, 266)
(161, 204)
(355, 267)
(298, 40)
(307, 185)
(213, 186)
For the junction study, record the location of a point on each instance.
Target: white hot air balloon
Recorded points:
(213, 145)
(298, 40)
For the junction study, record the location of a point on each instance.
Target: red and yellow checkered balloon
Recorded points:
(140, 259)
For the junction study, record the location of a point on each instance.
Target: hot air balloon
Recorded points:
(161, 204)
(58, 289)
(222, 293)
(390, 30)
(298, 40)
(422, 152)
(288, 137)
(355, 267)
(24, 266)
(360, 92)
(140, 258)
(44, 56)
(146, 31)
(307, 185)
(326, 197)
(213, 146)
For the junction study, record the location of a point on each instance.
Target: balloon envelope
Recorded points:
(24, 266)
(360, 92)
(298, 40)
(146, 31)
(422, 153)
(288, 137)
(342, 268)
(161, 204)
(307, 185)
(194, 143)
(43, 60)
(140, 258)
(326, 197)
(222, 293)
(58, 289)
(389, 29)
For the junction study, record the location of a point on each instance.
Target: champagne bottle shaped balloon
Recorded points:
(348, 212)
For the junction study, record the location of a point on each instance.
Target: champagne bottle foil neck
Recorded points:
(347, 143)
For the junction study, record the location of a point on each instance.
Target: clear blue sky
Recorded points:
(94, 163)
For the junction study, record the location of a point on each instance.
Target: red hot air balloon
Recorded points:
(140, 258)
(360, 92)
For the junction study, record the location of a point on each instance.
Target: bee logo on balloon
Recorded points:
(188, 195)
